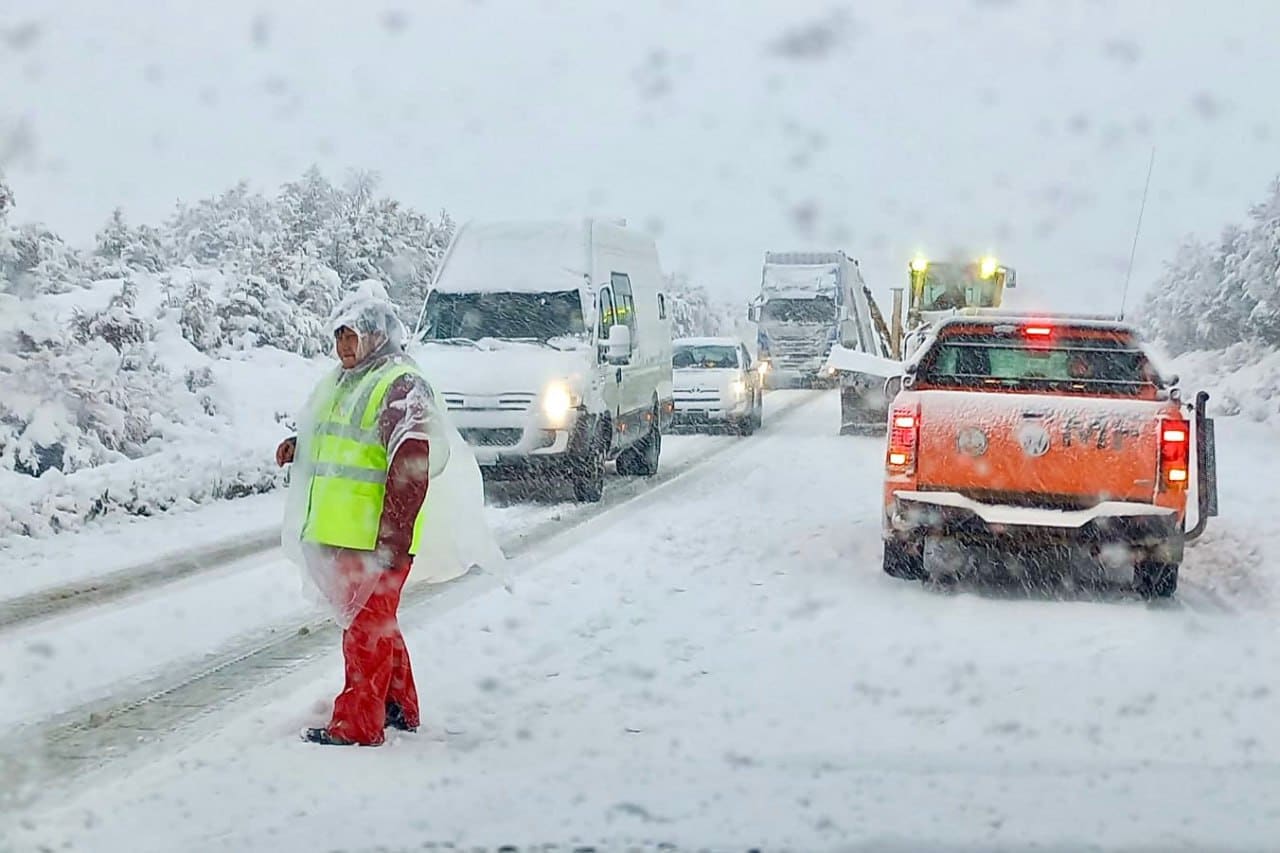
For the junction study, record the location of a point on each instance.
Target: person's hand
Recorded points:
(284, 453)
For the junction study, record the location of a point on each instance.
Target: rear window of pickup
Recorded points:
(1045, 358)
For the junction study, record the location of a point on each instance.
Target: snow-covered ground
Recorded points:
(87, 655)
(722, 663)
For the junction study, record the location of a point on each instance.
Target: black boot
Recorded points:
(324, 737)
(395, 718)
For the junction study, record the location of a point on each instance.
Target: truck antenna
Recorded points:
(1133, 251)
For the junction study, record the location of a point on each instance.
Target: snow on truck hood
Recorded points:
(996, 407)
(499, 367)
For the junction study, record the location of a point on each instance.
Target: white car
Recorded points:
(550, 344)
(716, 384)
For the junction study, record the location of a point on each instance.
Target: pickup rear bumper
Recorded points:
(915, 516)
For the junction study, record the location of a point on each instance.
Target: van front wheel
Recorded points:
(587, 472)
(642, 459)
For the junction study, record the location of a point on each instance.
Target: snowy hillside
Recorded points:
(158, 369)
(1216, 310)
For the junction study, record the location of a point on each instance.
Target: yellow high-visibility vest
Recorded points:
(349, 464)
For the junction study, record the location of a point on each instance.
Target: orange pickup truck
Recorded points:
(1021, 444)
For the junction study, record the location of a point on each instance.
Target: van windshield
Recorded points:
(504, 315)
(714, 357)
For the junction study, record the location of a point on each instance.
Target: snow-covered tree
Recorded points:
(120, 249)
(77, 394)
(6, 199)
(34, 260)
(694, 313)
(1211, 296)
(198, 318)
(231, 230)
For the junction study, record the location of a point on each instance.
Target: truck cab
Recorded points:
(1018, 440)
(802, 311)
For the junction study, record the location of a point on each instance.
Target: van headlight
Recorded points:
(739, 388)
(557, 403)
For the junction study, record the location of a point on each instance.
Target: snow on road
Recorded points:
(723, 663)
(90, 654)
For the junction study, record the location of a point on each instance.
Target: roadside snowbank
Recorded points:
(1243, 379)
(138, 429)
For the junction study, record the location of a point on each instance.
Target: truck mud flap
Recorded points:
(1206, 468)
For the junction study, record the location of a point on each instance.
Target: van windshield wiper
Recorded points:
(539, 341)
(452, 342)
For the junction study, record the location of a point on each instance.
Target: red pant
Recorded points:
(377, 666)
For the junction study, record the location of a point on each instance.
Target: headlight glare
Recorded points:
(557, 402)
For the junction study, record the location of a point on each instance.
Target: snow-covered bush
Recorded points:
(153, 369)
(80, 386)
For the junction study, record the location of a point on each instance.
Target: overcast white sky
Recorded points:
(1021, 127)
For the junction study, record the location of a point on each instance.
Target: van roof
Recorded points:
(532, 256)
(706, 342)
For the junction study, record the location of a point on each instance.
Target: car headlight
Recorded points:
(557, 402)
(738, 387)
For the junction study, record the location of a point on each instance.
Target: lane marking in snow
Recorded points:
(89, 737)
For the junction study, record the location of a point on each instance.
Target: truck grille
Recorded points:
(491, 437)
(514, 402)
(797, 352)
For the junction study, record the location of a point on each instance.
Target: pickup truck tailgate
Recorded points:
(1005, 445)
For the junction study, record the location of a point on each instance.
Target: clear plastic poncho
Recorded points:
(455, 535)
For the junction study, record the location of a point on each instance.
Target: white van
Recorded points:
(550, 344)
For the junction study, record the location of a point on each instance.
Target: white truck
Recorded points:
(808, 303)
(550, 344)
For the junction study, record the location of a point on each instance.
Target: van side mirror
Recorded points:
(753, 313)
(892, 387)
(619, 345)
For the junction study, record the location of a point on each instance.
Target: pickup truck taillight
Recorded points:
(904, 431)
(1175, 454)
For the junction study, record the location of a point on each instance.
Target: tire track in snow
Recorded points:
(65, 598)
(146, 577)
(92, 735)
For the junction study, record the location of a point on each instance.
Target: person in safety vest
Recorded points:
(362, 460)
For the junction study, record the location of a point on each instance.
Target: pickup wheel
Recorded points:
(1155, 580)
(901, 563)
